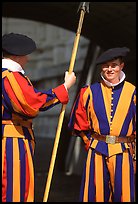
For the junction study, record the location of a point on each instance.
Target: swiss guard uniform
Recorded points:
(104, 116)
(21, 102)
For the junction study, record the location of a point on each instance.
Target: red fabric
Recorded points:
(87, 145)
(35, 100)
(26, 179)
(4, 181)
(61, 94)
(81, 122)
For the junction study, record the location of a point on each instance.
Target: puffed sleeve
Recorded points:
(78, 118)
(26, 100)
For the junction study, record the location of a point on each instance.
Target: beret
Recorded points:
(17, 44)
(112, 54)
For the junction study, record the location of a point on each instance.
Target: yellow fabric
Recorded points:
(4, 73)
(91, 112)
(99, 178)
(111, 163)
(3, 152)
(94, 143)
(114, 149)
(125, 178)
(86, 188)
(122, 107)
(13, 131)
(107, 99)
(16, 171)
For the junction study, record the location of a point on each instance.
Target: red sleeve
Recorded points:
(78, 119)
(61, 94)
(27, 100)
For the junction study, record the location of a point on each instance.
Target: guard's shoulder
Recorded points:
(130, 84)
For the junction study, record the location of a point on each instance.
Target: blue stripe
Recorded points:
(118, 179)
(31, 149)
(9, 164)
(26, 133)
(102, 147)
(6, 103)
(106, 179)
(92, 187)
(22, 169)
(132, 180)
(116, 95)
(49, 107)
(3, 129)
(99, 108)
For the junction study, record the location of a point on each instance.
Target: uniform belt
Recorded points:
(27, 124)
(111, 139)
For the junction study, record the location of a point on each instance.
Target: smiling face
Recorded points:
(111, 70)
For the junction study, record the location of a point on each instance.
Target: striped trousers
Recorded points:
(108, 179)
(17, 170)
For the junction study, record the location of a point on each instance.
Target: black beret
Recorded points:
(112, 54)
(17, 44)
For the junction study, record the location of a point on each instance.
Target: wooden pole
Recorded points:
(62, 113)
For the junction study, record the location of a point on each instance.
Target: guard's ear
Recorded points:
(122, 65)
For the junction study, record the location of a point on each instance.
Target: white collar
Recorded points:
(122, 77)
(12, 65)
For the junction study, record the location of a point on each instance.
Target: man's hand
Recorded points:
(70, 79)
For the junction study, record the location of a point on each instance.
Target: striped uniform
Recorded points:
(20, 104)
(108, 174)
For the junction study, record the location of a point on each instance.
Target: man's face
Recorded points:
(111, 70)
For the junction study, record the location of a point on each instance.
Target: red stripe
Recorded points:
(81, 122)
(61, 94)
(27, 180)
(35, 100)
(4, 180)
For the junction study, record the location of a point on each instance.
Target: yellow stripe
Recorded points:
(16, 171)
(125, 178)
(3, 152)
(4, 73)
(134, 99)
(107, 92)
(99, 178)
(94, 143)
(51, 102)
(86, 187)
(15, 107)
(114, 149)
(13, 131)
(86, 94)
(2, 109)
(16, 88)
(30, 197)
(122, 107)
(111, 164)
(91, 112)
